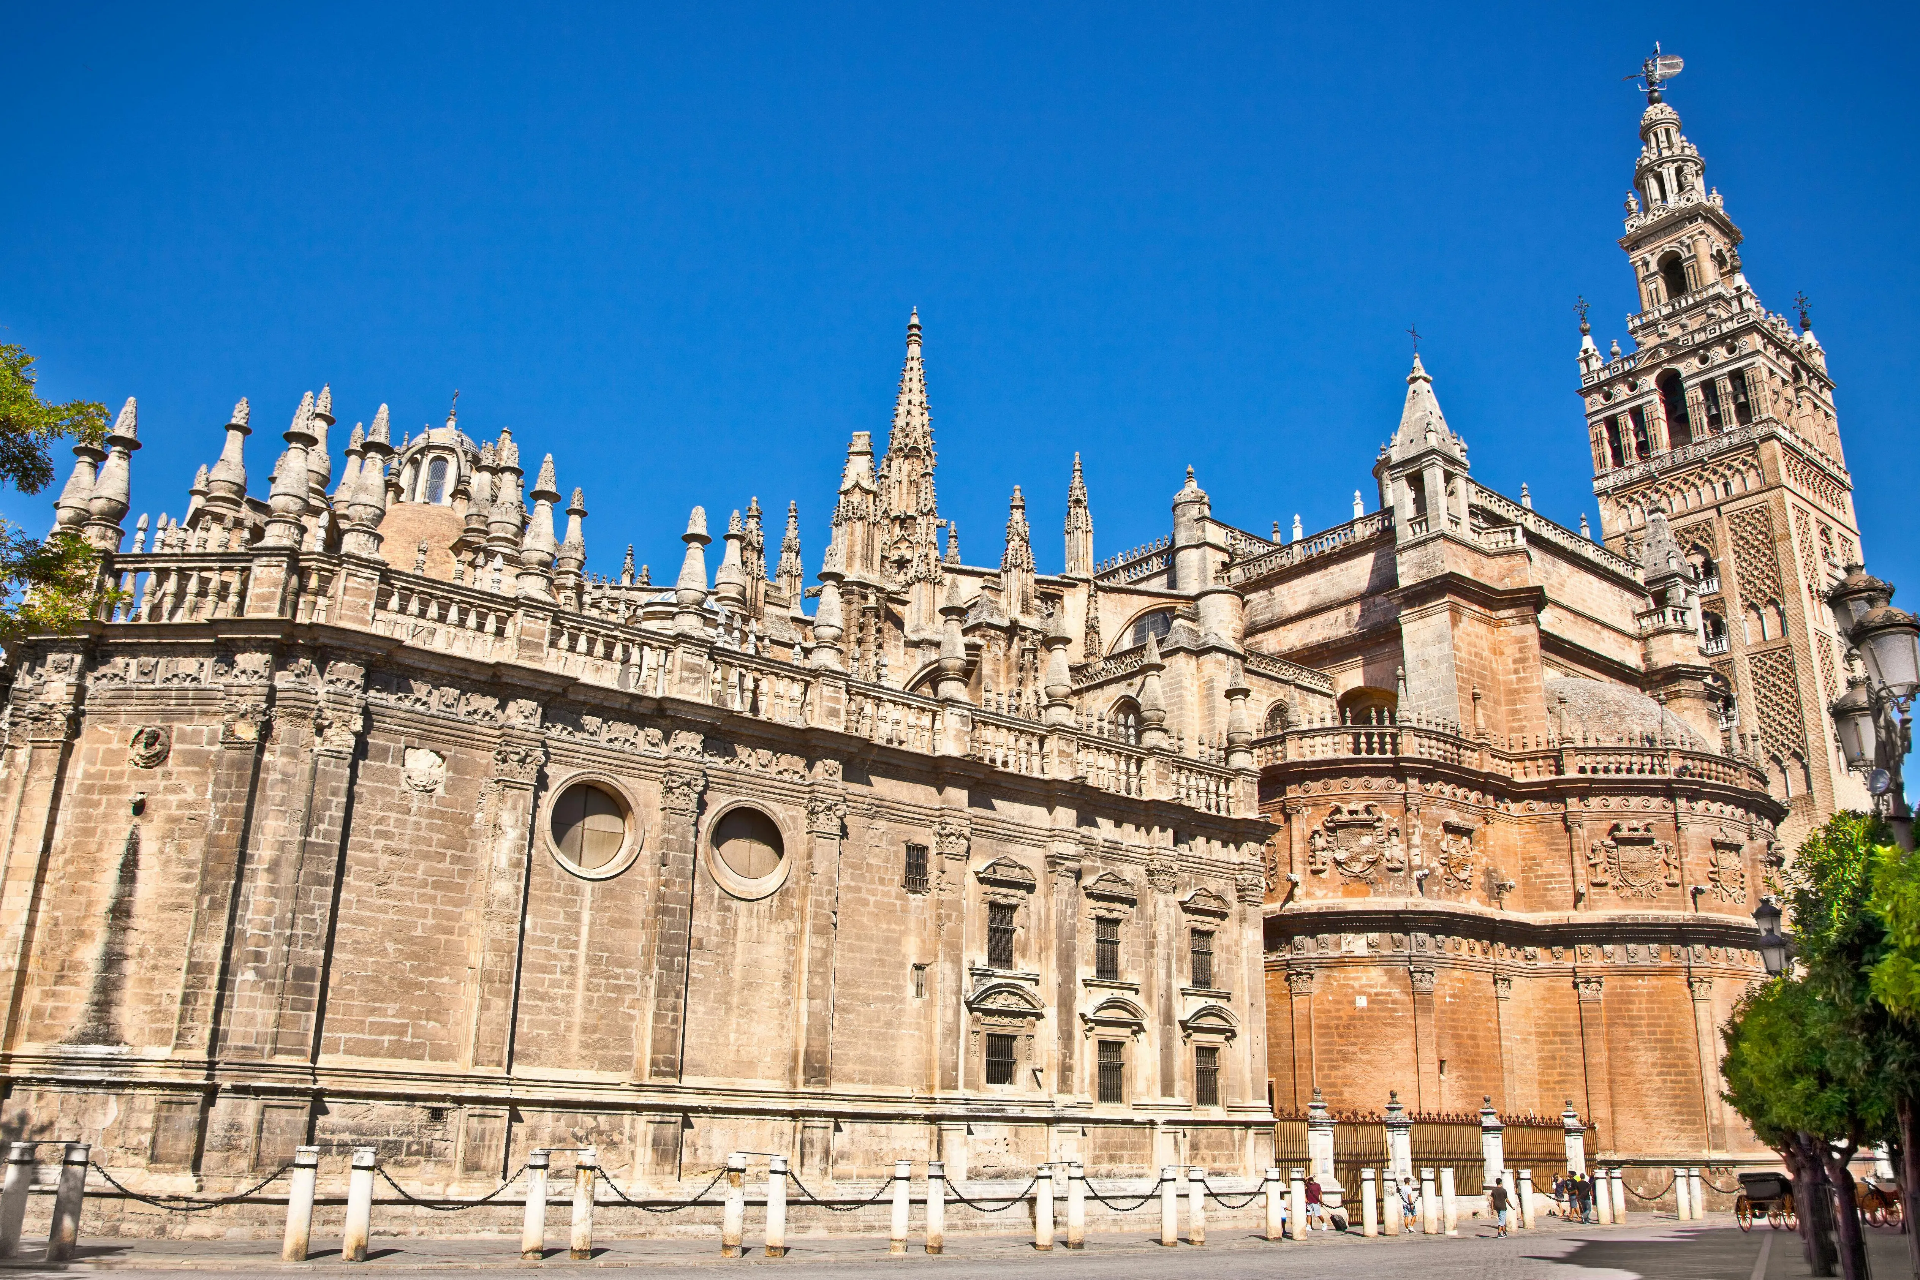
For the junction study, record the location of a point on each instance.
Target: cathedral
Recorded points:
(363, 814)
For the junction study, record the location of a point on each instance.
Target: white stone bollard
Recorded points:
(1429, 1205)
(1449, 1206)
(1275, 1201)
(359, 1224)
(13, 1196)
(1394, 1223)
(1043, 1209)
(1196, 1205)
(533, 1225)
(306, 1167)
(1526, 1199)
(1297, 1203)
(1681, 1210)
(1076, 1206)
(1169, 1207)
(777, 1207)
(1369, 1206)
(586, 1171)
(936, 1206)
(1619, 1196)
(63, 1233)
(1602, 1208)
(902, 1201)
(1695, 1200)
(733, 1218)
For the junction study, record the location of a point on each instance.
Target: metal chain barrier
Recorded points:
(834, 1208)
(981, 1206)
(182, 1203)
(1225, 1203)
(449, 1206)
(1725, 1191)
(1656, 1195)
(670, 1208)
(1143, 1200)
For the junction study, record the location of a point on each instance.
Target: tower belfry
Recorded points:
(1721, 417)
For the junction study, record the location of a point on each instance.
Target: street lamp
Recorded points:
(1773, 947)
(1872, 715)
(1854, 715)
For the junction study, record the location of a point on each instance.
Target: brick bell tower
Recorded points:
(1722, 417)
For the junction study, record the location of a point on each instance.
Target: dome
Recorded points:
(1605, 712)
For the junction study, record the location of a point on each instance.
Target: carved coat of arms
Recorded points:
(1728, 872)
(1636, 862)
(1356, 839)
(1456, 853)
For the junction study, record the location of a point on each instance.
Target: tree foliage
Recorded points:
(48, 584)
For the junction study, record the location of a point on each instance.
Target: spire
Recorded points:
(70, 510)
(626, 568)
(690, 591)
(953, 542)
(227, 480)
(753, 551)
(730, 580)
(113, 487)
(319, 460)
(1153, 702)
(791, 574)
(906, 502)
(506, 514)
(1421, 423)
(1079, 562)
(287, 500)
(1016, 562)
(535, 576)
(1092, 647)
(350, 474)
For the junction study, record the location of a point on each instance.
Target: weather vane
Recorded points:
(1580, 309)
(1656, 71)
(453, 410)
(1804, 307)
(1415, 334)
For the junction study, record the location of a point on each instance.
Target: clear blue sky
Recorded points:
(677, 247)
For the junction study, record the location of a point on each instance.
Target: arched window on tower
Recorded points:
(1673, 399)
(1277, 718)
(1125, 719)
(1673, 276)
(1713, 634)
(1158, 624)
(1640, 443)
(1710, 394)
(1742, 407)
(437, 481)
(1706, 573)
(1613, 443)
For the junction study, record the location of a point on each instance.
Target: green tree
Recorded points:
(52, 583)
(1894, 980)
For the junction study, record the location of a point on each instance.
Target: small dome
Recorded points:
(1612, 713)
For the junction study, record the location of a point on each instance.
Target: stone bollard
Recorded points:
(1449, 1205)
(1275, 1202)
(1394, 1223)
(13, 1197)
(1526, 1199)
(1297, 1203)
(306, 1167)
(936, 1206)
(1076, 1206)
(359, 1224)
(1619, 1196)
(1369, 1206)
(63, 1233)
(902, 1200)
(1196, 1205)
(1602, 1209)
(1694, 1198)
(733, 1217)
(533, 1226)
(1043, 1209)
(586, 1170)
(1429, 1205)
(1681, 1210)
(1169, 1207)
(777, 1207)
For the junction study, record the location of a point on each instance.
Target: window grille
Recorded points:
(1106, 949)
(999, 1059)
(1113, 1081)
(1206, 1076)
(919, 982)
(1202, 958)
(999, 935)
(916, 874)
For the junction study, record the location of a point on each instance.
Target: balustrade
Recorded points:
(1006, 743)
(450, 619)
(892, 718)
(178, 589)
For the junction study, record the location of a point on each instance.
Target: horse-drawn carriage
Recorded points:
(1768, 1196)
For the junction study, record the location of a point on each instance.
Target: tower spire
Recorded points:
(1079, 526)
(906, 493)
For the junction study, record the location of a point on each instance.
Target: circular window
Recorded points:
(592, 829)
(748, 852)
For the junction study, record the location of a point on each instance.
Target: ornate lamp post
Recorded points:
(1773, 946)
(1873, 715)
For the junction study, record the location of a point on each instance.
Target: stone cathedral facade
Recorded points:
(366, 814)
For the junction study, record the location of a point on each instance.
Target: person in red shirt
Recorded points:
(1315, 1212)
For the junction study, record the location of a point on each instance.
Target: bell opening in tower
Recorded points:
(1673, 399)
(1673, 276)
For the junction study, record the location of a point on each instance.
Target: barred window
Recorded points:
(1113, 1079)
(1206, 1076)
(916, 875)
(999, 1059)
(999, 935)
(919, 982)
(1203, 957)
(1106, 948)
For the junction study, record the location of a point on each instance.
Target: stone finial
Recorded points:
(287, 499)
(953, 542)
(690, 589)
(382, 429)
(790, 575)
(112, 490)
(534, 578)
(1298, 531)
(730, 580)
(350, 474)
(1526, 496)
(1079, 528)
(1153, 702)
(319, 459)
(140, 534)
(626, 568)
(227, 480)
(1359, 505)
(70, 509)
(572, 557)
(1585, 532)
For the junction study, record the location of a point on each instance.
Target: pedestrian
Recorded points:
(1315, 1211)
(1409, 1204)
(1583, 1194)
(1498, 1198)
(1560, 1194)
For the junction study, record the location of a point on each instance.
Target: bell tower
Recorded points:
(1721, 417)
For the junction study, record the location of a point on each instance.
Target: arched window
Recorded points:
(1705, 572)
(1613, 443)
(1277, 718)
(1779, 779)
(1673, 399)
(1742, 407)
(1125, 719)
(1639, 418)
(1673, 276)
(1367, 705)
(437, 481)
(1710, 394)
(1157, 623)
(1713, 633)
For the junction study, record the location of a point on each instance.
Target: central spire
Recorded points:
(907, 501)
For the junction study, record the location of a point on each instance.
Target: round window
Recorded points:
(748, 843)
(590, 826)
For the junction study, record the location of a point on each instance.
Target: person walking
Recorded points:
(1409, 1204)
(1583, 1193)
(1498, 1199)
(1560, 1194)
(1315, 1211)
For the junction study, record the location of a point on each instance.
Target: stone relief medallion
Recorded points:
(1456, 853)
(150, 746)
(1728, 872)
(1357, 839)
(1633, 860)
(424, 771)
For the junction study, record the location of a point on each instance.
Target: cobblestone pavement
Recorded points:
(1652, 1249)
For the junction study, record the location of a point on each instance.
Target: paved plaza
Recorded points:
(1655, 1249)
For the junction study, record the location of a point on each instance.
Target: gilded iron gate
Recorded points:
(1449, 1141)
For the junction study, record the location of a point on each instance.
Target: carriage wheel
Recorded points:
(1743, 1211)
(1896, 1213)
